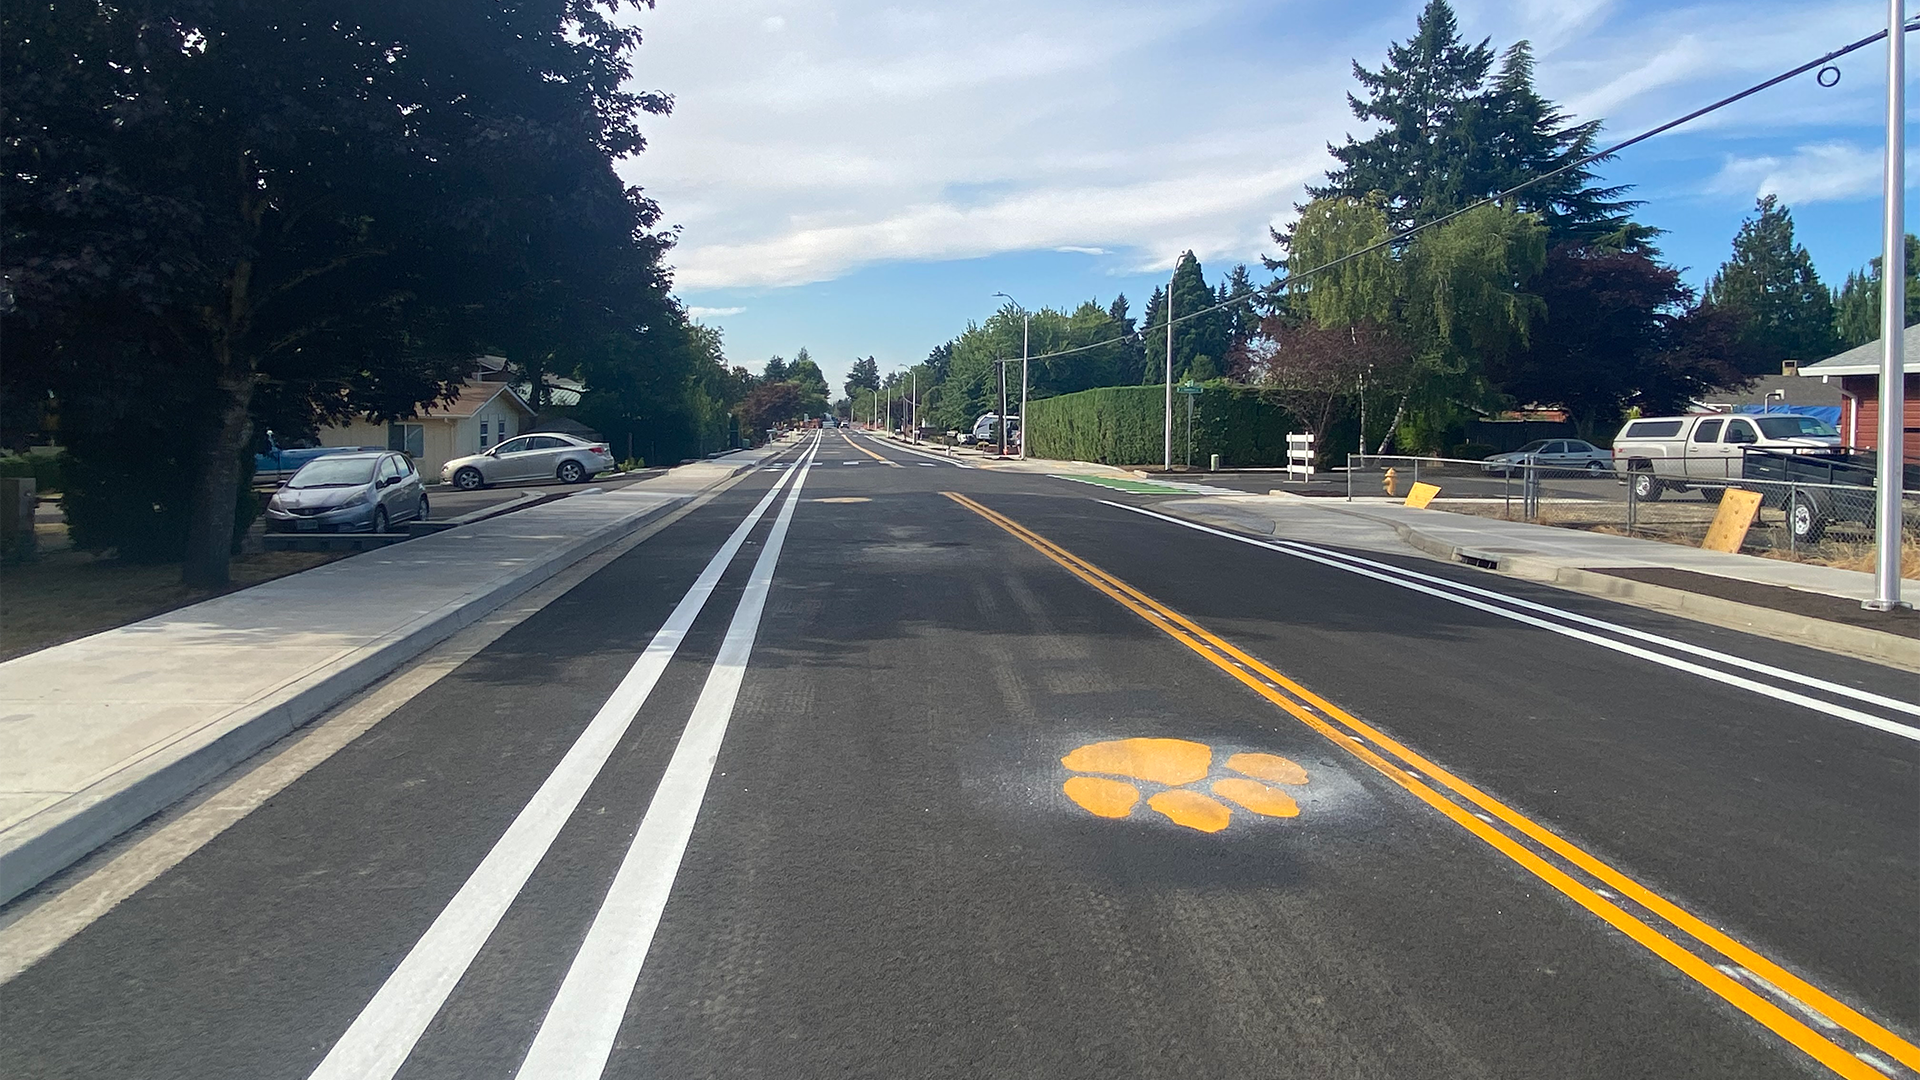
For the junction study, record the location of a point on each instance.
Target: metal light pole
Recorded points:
(913, 424)
(1169, 413)
(1026, 328)
(1893, 324)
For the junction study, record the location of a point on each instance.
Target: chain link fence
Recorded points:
(1822, 522)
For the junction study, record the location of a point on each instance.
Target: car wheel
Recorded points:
(379, 519)
(572, 472)
(420, 514)
(1805, 519)
(469, 479)
(1645, 487)
(1712, 494)
(1595, 468)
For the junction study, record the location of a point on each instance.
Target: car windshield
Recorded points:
(335, 472)
(1794, 427)
(1533, 447)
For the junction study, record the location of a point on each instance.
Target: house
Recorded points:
(1858, 373)
(481, 415)
(1780, 393)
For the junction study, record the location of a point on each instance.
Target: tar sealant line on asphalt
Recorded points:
(580, 1027)
(1393, 577)
(380, 1038)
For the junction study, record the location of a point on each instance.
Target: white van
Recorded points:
(1663, 453)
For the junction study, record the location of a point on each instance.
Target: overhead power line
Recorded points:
(1599, 155)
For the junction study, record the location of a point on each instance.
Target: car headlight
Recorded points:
(355, 499)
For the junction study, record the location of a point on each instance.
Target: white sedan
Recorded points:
(548, 455)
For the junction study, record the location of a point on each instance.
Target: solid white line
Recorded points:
(938, 459)
(1841, 712)
(578, 1033)
(380, 1038)
(1729, 659)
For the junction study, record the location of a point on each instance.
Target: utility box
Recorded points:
(17, 499)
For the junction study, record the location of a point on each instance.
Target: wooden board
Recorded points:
(1419, 495)
(1730, 525)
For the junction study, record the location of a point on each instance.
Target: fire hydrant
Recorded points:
(1388, 481)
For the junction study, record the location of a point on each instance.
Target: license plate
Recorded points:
(305, 525)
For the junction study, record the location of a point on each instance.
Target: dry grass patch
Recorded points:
(65, 595)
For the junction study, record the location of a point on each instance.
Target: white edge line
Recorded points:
(578, 1033)
(1838, 711)
(379, 1040)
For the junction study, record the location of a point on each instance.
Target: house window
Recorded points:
(409, 439)
(483, 434)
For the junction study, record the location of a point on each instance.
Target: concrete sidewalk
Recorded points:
(100, 733)
(1799, 602)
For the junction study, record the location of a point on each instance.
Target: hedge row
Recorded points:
(44, 468)
(1121, 425)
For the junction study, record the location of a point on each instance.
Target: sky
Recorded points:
(861, 177)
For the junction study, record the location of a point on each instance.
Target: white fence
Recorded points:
(1300, 456)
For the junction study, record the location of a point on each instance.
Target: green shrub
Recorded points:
(1122, 425)
(47, 470)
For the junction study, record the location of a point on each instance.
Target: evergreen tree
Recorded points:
(1512, 134)
(776, 370)
(1856, 307)
(1774, 294)
(864, 376)
(1421, 94)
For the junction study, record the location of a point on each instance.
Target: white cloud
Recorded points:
(1820, 172)
(816, 136)
(698, 312)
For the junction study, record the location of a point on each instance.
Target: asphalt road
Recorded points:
(837, 837)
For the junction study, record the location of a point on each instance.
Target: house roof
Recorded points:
(473, 396)
(1865, 360)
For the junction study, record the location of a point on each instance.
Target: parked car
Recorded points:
(543, 456)
(1674, 453)
(354, 492)
(1562, 456)
(279, 463)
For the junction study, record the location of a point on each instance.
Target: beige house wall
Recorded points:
(443, 437)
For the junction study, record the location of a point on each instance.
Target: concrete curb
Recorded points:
(1855, 641)
(61, 834)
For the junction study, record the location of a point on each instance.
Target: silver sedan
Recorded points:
(545, 456)
(1553, 457)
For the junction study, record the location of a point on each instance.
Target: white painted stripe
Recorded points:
(578, 1033)
(1787, 674)
(380, 1038)
(1841, 712)
(938, 459)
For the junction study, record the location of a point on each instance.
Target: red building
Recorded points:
(1857, 371)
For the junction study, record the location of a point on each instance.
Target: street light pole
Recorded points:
(913, 424)
(1169, 413)
(1893, 324)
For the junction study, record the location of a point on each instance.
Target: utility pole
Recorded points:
(914, 421)
(1893, 325)
(1002, 365)
(1169, 413)
(1026, 328)
(1026, 335)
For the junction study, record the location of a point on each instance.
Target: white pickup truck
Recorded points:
(1675, 453)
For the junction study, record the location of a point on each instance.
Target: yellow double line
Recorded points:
(870, 453)
(1329, 721)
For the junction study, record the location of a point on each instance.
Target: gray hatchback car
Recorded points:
(361, 492)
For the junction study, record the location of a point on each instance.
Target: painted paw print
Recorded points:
(1175, 764)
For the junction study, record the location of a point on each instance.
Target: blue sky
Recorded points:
(859, 177)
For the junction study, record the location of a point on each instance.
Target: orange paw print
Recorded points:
(1174, 764)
